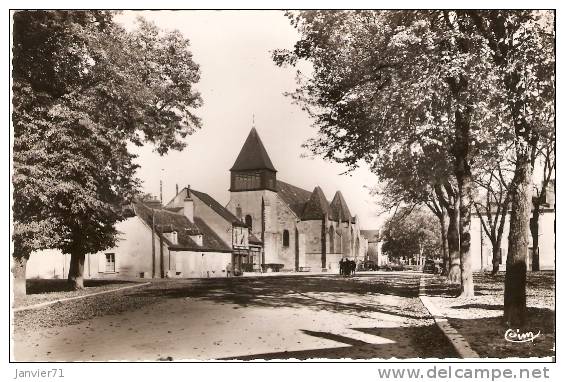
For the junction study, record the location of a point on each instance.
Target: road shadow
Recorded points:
(487, 335)
(356, 295)
(408, 342)
(40, 286)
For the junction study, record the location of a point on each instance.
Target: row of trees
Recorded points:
(84, 88)
(411, 233)
(436, 102)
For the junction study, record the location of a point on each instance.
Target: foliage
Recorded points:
(382, 86)
(83, 89)
(409, 232)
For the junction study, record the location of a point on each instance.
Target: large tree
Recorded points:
(383, 79)
(83, 89)
(521, 46)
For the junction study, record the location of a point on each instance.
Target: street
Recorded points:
(376, 315)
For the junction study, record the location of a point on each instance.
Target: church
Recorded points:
(300, 230)
(268, 225)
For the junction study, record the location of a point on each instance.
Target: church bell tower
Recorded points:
(253, 193)
(253, 169)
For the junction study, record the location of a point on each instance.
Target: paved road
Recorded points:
(281, 317)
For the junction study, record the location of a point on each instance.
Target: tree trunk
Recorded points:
(534, 229)
(454, 274)
(465, 192)
(444, 221)
(76, 271)
(515, 281)
(460, 153)
(19, 263)
(496, 258)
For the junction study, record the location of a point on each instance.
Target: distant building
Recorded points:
(301, 230)
(481, 247)
(374, 252)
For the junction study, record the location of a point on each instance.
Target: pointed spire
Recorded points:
(317, 206)
(339, 208)
(253, 155)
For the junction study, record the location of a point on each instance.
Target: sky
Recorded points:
(238, 81)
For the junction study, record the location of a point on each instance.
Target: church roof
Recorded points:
(339, 208)
(253, 155)
(294, 197)
(317, 206)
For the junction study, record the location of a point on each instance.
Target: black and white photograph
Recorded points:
(298, 185)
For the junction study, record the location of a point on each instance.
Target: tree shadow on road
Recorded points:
(40, 286)
(359, 295)
(487, 335)
(407, 342)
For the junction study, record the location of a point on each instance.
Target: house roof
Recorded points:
(339, 208)
(317, 206)
(254, 239)
(167, 221)
(253, 155)
(174, 209)
(210, 202)
(294, 197)
(210, 240)
(217, 207)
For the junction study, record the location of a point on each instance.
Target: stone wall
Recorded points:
(250, 203)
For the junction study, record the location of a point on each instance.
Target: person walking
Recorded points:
(228, 270)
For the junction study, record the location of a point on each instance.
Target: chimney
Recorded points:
(188, 205)
(177, 189)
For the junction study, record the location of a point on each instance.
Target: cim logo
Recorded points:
(512, 335)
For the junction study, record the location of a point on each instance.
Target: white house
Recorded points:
(481, 247)
(179, 241)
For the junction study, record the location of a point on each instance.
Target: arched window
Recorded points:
(332, 239)
(249, 221)
(286, 239)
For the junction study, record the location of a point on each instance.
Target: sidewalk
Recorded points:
(479, 319)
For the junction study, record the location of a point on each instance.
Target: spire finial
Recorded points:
(253, 123)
